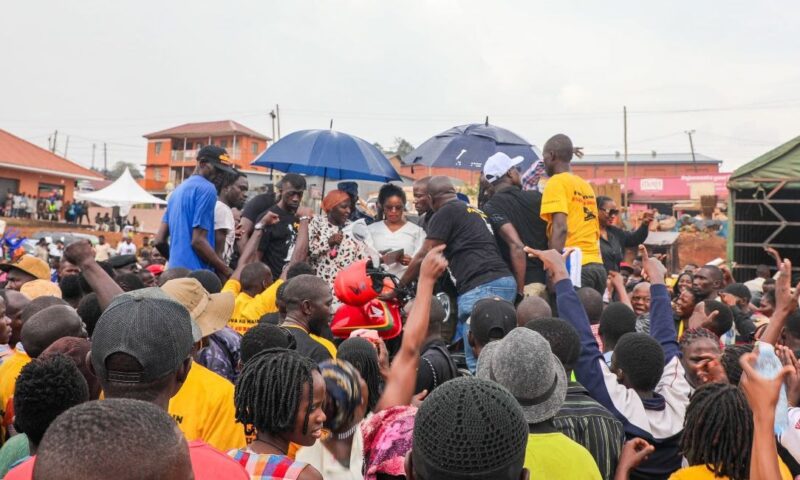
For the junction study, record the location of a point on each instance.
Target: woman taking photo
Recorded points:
(395, 232)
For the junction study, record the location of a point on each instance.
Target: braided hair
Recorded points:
(362, 355)
(693, 334)
(718, 431)
(270, 388)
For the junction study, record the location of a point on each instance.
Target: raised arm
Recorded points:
(662, 325)
(403, 373)
(413, 269)
(638, 236)
(762, 395)
(785, 301)
(300, 252)
(82, 254)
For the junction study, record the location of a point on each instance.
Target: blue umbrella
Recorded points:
(328, 154)
(468, 147)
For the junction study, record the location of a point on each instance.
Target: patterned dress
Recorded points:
(328, 261)
(261, 466)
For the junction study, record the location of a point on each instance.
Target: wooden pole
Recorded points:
(625, 161)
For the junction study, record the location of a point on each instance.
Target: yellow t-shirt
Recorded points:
(700, 472)
(570, 194)
(554, 455)
(9, 371)
(204, 409)
(247, 310)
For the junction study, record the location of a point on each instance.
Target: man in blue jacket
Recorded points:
(645, 386)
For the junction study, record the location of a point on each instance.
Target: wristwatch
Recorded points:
(258, 226)
(304, 217)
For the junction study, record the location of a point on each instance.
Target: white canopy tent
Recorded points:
(123, 193)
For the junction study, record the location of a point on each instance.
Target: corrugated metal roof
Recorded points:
(205, 129)
(644, 158)
(19, 154)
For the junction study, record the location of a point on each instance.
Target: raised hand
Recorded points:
(699, 318)
(792, 380)
(652, 268)
(79, 252)
(434, 263)
(634, 452)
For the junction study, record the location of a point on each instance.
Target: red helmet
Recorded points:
(360, 283)
(383, 317)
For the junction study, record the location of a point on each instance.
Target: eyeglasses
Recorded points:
(394, 208)
(613, 212)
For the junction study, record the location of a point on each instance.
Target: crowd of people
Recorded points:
(208, 353)
(49, 207)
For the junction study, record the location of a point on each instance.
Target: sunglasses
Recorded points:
(611, 212)
(394, 208)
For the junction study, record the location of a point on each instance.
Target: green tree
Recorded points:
(402, 146)
(119, 168)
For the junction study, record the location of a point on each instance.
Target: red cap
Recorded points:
(155, 269)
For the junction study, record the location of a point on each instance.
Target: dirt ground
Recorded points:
(700, 248)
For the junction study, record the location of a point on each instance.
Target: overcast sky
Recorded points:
(112, 71)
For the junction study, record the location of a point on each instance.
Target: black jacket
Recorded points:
(613, 249)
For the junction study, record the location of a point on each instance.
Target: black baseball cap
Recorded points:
(492, 318)
(119, 261)
(149, 326)
(216, 156)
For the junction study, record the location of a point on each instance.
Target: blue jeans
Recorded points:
(505, 288)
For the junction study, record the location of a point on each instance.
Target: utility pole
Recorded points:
(625, 161)
(272, 116)
(94, 146)
(691, 146)
(55, 141)
(105, 159)
(66, 148)
(278, 114)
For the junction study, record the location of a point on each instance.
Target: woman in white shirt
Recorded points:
(395, 232)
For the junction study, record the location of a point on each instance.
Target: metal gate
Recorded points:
(767, 215)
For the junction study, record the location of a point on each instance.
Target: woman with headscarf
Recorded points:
(340, 456)
(331, 245)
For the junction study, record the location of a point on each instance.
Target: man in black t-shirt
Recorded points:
(514, 215)
(475, 263)
(253, 210)
(278, 240)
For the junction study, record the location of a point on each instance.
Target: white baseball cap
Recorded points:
(498, 165)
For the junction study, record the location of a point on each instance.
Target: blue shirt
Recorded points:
(190, 206)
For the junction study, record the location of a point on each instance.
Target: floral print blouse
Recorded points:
(320, 229)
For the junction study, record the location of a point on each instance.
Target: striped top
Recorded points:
(590, 424)
(267, 466)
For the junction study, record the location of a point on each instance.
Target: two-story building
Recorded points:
(171, 153)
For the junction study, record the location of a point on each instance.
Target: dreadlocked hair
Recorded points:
(361, 354)
(270, 388)
(693, 334)
(718, 431)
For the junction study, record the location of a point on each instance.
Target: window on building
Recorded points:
(255, 147)
(223, 143)
(158, 174)
(157, 148)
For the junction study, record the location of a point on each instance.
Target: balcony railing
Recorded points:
(191, 155)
